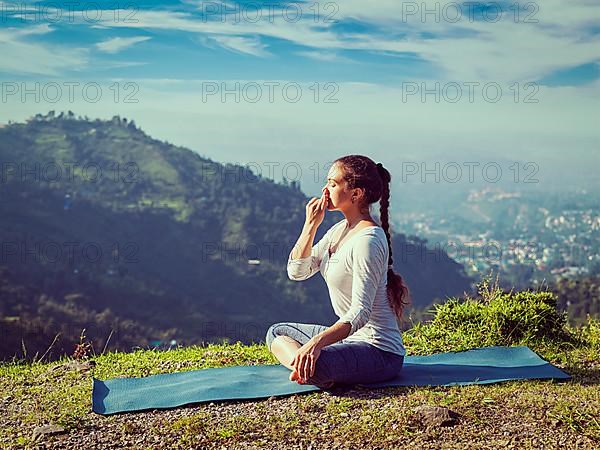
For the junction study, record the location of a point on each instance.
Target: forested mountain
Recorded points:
(105, 228)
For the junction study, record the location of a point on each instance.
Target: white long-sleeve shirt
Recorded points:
(356, 276)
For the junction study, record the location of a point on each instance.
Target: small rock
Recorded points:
(47, 430)
(435, 416)
(271, 398)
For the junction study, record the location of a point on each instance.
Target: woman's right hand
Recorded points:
(315, 209)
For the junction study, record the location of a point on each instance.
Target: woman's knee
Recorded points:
(269, 337)
(272, 334)
(300, 332)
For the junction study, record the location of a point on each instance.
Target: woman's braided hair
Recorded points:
(362, 172)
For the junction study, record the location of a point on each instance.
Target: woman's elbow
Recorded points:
(296, 276)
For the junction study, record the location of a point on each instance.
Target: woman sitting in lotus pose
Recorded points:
(355, 259)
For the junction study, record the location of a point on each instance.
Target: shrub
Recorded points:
(497, 318)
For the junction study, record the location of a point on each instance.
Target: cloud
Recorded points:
(304, 32)
(108, 65)
(325, 56)
(504, 51)
(21, 56)
(118, 44)
(240, 44)
(520, 47)
(561, 36)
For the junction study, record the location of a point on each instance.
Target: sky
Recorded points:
(285, 86)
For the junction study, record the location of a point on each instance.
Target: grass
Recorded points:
(37, 393)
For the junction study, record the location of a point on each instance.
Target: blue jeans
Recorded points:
(342, 362)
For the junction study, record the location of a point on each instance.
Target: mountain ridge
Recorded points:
(176, 234)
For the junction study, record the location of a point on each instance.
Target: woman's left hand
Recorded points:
(305, 360)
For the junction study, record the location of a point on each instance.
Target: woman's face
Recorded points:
(339, 197)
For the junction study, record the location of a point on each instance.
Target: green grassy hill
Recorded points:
(519, 414)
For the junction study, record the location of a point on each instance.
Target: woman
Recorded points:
(355, 258)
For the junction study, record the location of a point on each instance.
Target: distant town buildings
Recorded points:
(524, 240)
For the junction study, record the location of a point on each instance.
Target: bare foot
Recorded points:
(295, 376)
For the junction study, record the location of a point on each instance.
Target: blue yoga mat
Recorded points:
(477, 366)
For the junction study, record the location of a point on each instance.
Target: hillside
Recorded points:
(109, 230)
(515, 414)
